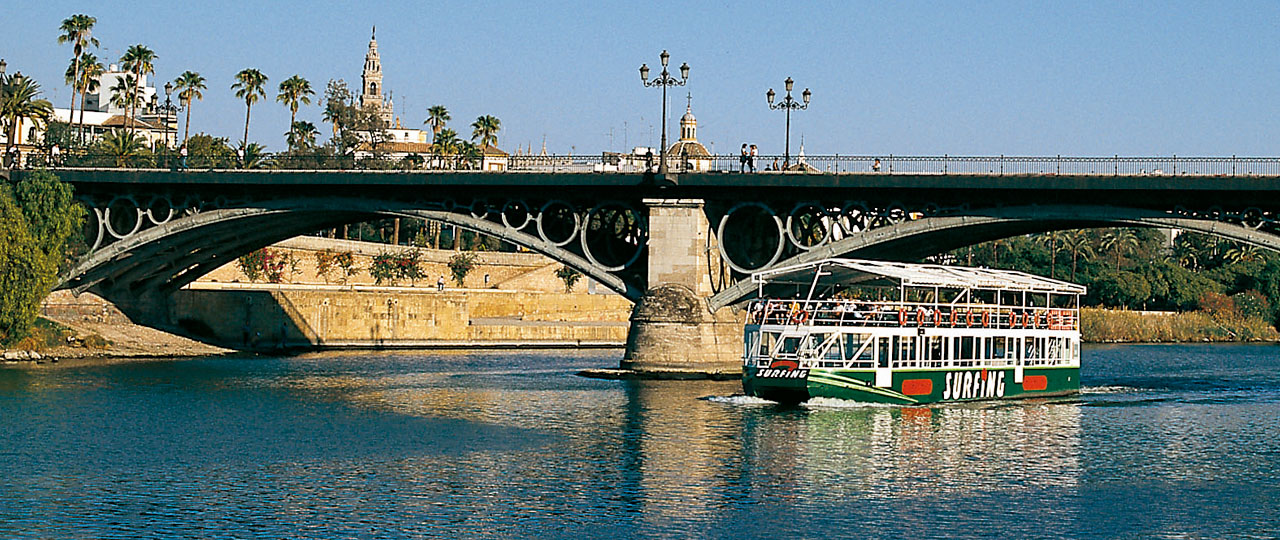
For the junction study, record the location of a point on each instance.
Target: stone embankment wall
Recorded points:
(268, 316)
(494, 270)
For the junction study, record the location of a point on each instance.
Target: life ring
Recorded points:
(953, 317)
(937, 317)
(799, 317)
(986, 319)
(1013, 319)
(969, 322)
(902, 317)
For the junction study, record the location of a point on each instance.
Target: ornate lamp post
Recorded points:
(168, 109)
(788, 104)
(664, 80)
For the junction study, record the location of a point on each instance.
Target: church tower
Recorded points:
(371, 82)
(689, 124)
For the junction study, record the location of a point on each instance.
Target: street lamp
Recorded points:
(788, 104)
(664, 80)
(168, 108)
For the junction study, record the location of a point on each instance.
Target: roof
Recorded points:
(693, 149)
(136, 123)
(420, 148)
(854, 271)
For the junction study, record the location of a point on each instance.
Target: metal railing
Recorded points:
(910, 315)
(625, 163)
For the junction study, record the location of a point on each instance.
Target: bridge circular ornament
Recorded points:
(766, 223)
(558, 223)
(1253, 218)
(808, 226)
(479, 208)
(612, 228)
(94, 228)
(516, 211)
(122, 217)
(160, 210)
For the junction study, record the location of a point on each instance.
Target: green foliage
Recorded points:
(569, 276)
(205, 151)
(37, 217)
(393, 267)
(1252, 305)
(250, 264)
(460, 265)
(1126, 289)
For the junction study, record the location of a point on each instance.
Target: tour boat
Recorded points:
(897, 333)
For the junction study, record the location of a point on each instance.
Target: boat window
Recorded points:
(790, 344)
(964, 351)
(998, 348)
(934, 351)
(1055, 350)
(851, 343)
(907, 352)
(882, 352)
(986, 348)
(767, 341)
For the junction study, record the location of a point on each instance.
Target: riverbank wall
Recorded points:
(312, 316)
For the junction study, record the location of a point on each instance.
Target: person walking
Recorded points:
(240, 156)
(440, 284)
(875, 167)
(751, 159)
(55, 155)
(182, 157)
(742, 160)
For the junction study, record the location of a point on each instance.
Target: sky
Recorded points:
(906, 78)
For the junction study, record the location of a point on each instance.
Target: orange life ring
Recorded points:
(799, 317)
(953, 317)
(969, 322)
(986, 319)
(902, 317)
(937, 317)
(1013, 319)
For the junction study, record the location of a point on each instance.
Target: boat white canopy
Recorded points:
(830, 272)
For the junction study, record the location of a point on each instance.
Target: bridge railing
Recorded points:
(625, 163)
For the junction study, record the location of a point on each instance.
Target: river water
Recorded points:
(1165, 442)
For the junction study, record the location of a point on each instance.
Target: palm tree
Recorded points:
(124, 93)
(437, 116)
(78, 31)
(91, 71)
(294, 91)
(190, 87)
(1119, 242)
(1239, 253)
(124, 146)
(21, 101)
(469, 155)
(1052, 239)
(1078, 243)
(248, 86)
(302, 134)
(446, 143)
(255, 156)
(486, 129)
(139, 60)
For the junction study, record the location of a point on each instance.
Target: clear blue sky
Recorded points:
(1028, 78)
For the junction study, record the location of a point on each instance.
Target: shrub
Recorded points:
(383, 269)
(460, 265)
(569, 276)
(1252, 305)
(270, 264)
(1218, 305)
(37, 216)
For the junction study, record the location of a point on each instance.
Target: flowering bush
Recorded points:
(273, 265)
(329, 262)
(393, 267)
(460, 265)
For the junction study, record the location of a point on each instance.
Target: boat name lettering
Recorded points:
(774, 373)
(973, 384)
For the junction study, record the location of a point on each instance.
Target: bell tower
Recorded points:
(371, 81)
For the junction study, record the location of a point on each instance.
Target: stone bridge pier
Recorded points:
(674, 331)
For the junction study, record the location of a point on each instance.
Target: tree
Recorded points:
(569, 276)
(125, 93)
(78, 31)
(210, 152)
(1119, 242)
(1242, 253)
(140, 61)
(37, 217)
(337, 102)
(1052, 240)
(1078, 243)
(486, 129)
(126, 148)
(91, 71)
(437, 117)
(249, 87)
(21, 101)
(460, 265)
(302, 135)
(294, 91)
(445, 144)
(190, 87)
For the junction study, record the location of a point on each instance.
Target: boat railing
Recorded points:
(909, 314)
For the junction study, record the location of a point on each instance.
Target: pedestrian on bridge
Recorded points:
(751, 160)
(440, 284)
(182, 157)
(742, 160)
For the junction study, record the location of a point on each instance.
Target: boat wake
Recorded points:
(835, 403)
(1110, 389)
(739, 399)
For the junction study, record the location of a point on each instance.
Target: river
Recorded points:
(1166, 441)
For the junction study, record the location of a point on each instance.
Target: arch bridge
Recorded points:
(679, 245)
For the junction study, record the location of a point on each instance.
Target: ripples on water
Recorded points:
(1164, 442)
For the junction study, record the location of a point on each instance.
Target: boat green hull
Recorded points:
(909, 387)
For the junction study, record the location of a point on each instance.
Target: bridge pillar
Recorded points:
(673, 331)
